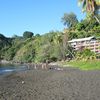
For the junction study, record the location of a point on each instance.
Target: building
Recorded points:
(90, 43)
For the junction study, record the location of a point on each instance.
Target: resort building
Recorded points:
(90, 43)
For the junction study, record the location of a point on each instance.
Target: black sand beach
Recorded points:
(67, 84)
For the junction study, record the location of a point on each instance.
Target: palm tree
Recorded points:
(66, 46)
(91, 7)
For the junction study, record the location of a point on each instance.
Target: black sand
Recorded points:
(67, 84)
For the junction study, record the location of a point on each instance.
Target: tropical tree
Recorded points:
(28, 34)
(69, 19)
(68, 50)
(91, 7)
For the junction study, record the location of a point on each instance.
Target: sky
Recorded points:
(37, 16)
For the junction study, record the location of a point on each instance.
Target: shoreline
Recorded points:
(38, 84)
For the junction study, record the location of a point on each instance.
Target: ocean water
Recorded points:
(8, 68)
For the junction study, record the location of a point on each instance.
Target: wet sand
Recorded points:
(50, 84)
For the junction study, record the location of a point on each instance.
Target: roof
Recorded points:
(82, 39)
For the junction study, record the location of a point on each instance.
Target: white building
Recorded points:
(90, 42)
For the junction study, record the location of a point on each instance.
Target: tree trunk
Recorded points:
(97, 19)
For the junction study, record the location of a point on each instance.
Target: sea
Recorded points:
(9, 68)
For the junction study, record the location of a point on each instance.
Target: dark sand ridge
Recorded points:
(49, 84)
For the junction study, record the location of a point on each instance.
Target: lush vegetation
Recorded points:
(52, 46)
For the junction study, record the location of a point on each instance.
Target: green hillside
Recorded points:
(52, 46)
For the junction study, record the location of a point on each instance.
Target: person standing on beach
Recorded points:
(45, 65)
